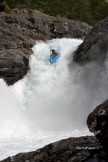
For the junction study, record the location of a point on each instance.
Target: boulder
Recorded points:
(95, 45)
(98, 123)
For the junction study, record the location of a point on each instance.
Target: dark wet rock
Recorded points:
(83, 149)
(13, 65)
(19, 32)
(95, 45)
(70, 29)
(98, 123)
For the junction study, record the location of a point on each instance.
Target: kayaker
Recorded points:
(53, 53)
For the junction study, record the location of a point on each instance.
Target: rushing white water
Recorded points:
(52, 102)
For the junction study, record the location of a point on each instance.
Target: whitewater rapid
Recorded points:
(52, 101)
(49, 92)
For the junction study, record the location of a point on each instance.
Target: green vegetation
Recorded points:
(4, 6)
(90, 11)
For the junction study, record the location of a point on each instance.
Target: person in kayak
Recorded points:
(53, 53)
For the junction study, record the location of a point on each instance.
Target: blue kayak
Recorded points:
(55, 58)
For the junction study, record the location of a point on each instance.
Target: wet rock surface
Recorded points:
(95, 45)
(19, 31)
(83, 149)
(98, 123)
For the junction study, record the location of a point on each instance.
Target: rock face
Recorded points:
(83, 149)
(98, 123)
(19, 32)
(95, 45)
